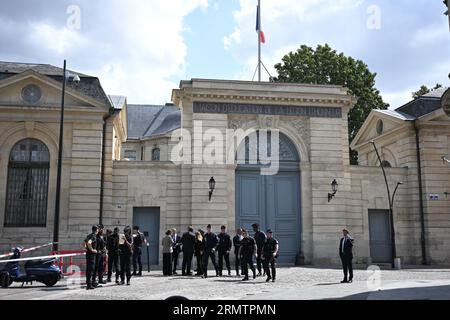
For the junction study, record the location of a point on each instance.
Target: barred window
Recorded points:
(27, 185)
(156, 154)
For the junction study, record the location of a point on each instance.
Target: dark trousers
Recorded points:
(247, 261)
(237, 263)
(208, 254)
(125, 267)
(259, 261)
(113, 260)
(99, 266)
(347, 266)
(270, 261)
(224, 255)
(199, 263)
(187, 261)
(90, 266)
(167, 264)
(137, 259)
(175, 255)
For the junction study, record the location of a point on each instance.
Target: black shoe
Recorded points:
(108, 280)
(117, 281)
(229, 273)
(121, 283)
(268, 279)
(102, 282)
(254, 275)
(128, 282)
(134, 273)
(344, 281)
(259, 274)
(183, 273)
(273, 279)
(174, 273)
(139, 274)
(89, 287)
(350, 280)
(238, 275)
(204, 276)
(95, 284)
(189, 274)
(245, 278)
(218, 274)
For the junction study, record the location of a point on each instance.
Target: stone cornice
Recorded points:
(278, 93)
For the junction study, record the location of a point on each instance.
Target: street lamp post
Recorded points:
(391, 206)
(75, 78)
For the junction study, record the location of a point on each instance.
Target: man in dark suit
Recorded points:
(346, 254)
(176, 249)
(188, 243)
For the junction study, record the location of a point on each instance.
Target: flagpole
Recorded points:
(259, 41)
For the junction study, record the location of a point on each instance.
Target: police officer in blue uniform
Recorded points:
(269, 255)
(138, 240)
(246, 252)
(260, 238)
(100, 257)
(211, 242)
(224, 248)
(237, 243)
(90, 243)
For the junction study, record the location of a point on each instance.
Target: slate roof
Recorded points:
(90, 86)
(151, 120)
(422, 105)
(118, 102)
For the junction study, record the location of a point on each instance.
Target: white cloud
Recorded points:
(135, 47)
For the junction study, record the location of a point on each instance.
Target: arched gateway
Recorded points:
(273, 201)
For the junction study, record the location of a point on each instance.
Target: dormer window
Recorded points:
(156, 152)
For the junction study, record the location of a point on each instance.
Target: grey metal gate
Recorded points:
(380, 236)
(147, 218)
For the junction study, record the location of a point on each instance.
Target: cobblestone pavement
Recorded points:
(292, 283)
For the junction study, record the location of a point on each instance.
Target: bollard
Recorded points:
(397, 264)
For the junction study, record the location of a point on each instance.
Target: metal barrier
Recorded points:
(79, 261)
(72, 261)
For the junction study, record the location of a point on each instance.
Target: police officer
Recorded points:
(100, 257)
(188, 247)
(112, 245)
(90, 243)
(211, 241)
(260, 238)
(125, 249)
(138, 240)
(237, 243)
(269, 255)
(224, 248)
(246, 252)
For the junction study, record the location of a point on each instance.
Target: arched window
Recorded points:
(27, 185)
(156, 153)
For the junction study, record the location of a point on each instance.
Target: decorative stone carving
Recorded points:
(301, 126)
(235, 123)
(267, 122)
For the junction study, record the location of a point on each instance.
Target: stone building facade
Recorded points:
(127, 164)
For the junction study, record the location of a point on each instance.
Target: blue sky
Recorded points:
(143, 48)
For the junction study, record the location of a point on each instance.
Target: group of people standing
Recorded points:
(204, 245)
(120, 249)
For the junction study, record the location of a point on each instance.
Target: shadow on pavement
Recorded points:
(413, 293)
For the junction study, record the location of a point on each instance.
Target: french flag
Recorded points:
(262, 38)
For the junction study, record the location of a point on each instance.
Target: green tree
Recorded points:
(424, 90)
(325, 66)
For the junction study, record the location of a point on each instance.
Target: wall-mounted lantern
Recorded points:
(334, 188)
(212, 186)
